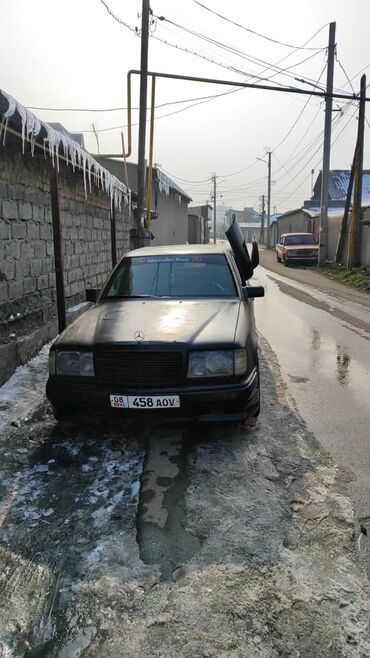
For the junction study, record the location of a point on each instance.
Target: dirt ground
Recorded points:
(178, 540)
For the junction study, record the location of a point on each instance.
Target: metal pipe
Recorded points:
(150, 167)
(141, 164)
(58, 250)
(248, 85)
(113, 235)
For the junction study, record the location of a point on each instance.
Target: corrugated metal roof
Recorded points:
(338, 185)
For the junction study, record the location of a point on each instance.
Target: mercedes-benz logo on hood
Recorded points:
(139, 336)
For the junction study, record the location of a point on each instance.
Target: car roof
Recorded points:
(295, 233)
(180, 249)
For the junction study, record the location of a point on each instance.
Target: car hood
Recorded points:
(191, 322)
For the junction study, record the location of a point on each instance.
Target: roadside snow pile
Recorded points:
(25, 389)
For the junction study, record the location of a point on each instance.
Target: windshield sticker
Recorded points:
(169, 259)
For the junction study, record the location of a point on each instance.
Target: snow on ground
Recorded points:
(78, 307)
(25, 389)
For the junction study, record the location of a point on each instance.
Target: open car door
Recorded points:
(244, 263)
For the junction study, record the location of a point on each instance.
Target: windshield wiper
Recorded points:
(129, 297)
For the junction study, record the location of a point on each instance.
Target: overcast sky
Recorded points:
(75, 55)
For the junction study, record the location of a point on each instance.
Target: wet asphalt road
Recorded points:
(322, 343)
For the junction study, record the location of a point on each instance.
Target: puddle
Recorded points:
(161, 523)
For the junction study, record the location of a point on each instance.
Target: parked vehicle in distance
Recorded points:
(172, 331)
(297, 248)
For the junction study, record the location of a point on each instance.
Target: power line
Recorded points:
(116, 109)
(235, 173)
(345, 73)
(258, 34)
(299, 116)
(189, 51)
(231, 49)
(135, 30)
(319, 147)
(184, 180)
(210, 40)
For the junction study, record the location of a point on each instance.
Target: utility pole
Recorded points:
(326, 151)
(354, 249)
(268, 241)
(312, 175)
(262, 233)
(142, 124)
(214, 208)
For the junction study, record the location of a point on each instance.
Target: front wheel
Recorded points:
(286, 264)
(277, 258)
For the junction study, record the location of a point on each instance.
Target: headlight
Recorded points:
(225, 363)
(75, 363)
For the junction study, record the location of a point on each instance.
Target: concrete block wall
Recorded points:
(27, 278)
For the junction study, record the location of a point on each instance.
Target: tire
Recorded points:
(286, 264)
(62, 415)
(277, 258)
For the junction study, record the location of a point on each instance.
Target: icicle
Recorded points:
(73, 153)
(4, 125)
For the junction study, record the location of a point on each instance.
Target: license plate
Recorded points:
(144, 402)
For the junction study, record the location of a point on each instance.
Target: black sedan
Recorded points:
(172, 332)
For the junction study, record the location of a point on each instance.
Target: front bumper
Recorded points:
(302, 258)
(78, 397)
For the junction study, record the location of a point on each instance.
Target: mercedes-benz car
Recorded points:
(171, 332)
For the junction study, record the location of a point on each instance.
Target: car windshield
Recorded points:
(300, 239)
(202, 275)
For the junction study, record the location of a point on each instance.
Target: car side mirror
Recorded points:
(255, 256)
(92, 294)
(250, 292)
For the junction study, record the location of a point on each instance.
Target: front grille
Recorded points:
(304, 252)
(139, 368)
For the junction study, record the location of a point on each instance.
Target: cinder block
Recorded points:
(33, 231)
(38, 213)
(27, 250)
(47, 266)
(19, 230)
(13, 249)
(22, 269)
(3, 291)
(15, 289)
(25, 210)
(10, 209)
(42, 282)
(7, 270)
(40, 249)
(29, 285)
(46, 232)
(4, 194)
(36, 267)
(4, 230)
